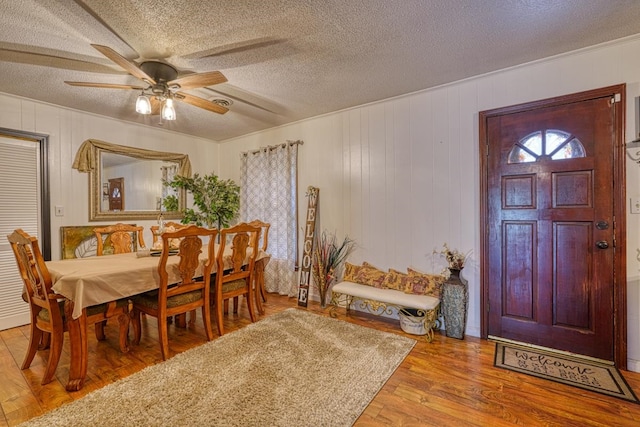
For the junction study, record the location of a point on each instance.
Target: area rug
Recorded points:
(293, 368)
(576, 371)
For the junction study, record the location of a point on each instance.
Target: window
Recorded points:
(552, 143)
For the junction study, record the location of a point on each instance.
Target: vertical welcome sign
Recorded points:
(307, 250)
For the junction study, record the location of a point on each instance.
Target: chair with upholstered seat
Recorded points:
(48, 318)
(124, 238)
(121, 237)
(261, 292)
(184, 285)
(157, 245)
(235, 268)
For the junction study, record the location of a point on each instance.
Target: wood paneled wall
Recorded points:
(401, 176)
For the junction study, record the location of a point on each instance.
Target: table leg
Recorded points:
(258, 289)
(79, 347)
(181, 320)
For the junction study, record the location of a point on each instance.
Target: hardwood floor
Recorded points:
(449, 382)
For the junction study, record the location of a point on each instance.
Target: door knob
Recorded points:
(602, 244)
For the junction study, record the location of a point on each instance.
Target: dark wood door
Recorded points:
(550, 229)
(116, 194)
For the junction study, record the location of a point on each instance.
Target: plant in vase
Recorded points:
(217, 201)
(170, 203)
(455, 259)
(455, 293)
(328, 260)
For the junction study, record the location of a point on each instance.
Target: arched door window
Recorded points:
(551, 143)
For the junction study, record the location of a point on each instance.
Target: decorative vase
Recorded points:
(325, 297)
(455, 304)
(323, 301)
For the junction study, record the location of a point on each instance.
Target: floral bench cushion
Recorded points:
(411, 282)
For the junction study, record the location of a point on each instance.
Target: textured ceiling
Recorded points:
(285, 60)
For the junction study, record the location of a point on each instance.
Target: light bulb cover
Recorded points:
(168, 111)
(143, 104)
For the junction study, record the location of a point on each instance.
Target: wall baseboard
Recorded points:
(633, 365)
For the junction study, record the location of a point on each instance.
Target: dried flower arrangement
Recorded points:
(455, 259)
(328, 259)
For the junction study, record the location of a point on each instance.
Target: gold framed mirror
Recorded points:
(125, 183)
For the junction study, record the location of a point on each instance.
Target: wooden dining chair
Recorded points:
(157, 245)
(235, 268)
(48, 318)
(121, 237)
(187, 289)
(123, 240)
(260, 291)
(170, 225)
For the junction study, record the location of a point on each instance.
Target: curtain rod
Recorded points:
(273, 147)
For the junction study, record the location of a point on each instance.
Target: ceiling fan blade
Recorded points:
(129, 66)
(201, 103)
(104, 85)
(198, 80)
(240, 95)
(54, 61)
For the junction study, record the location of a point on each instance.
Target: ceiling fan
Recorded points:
(162, 85)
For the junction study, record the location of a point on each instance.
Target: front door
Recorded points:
(549, 268)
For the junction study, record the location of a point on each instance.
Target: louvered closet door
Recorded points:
(19, 208)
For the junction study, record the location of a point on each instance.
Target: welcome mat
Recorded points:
(578, 372)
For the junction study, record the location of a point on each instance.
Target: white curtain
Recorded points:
(268, 192)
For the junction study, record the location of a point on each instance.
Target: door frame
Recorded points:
(619, 208)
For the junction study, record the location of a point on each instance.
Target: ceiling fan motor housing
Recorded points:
(160, 72)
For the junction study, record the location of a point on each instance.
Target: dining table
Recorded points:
(85, 282)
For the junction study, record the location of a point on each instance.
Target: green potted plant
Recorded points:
(216, 201)
(170, 203)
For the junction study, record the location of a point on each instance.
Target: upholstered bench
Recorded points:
(381, 301)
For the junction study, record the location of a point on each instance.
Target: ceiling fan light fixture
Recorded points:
(168, 110)
(163, 85)
(143, 104)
